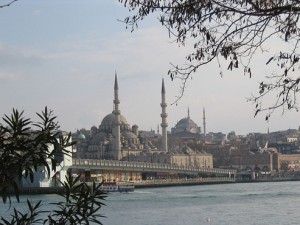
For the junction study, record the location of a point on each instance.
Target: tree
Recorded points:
(25, 146)
(234, 31)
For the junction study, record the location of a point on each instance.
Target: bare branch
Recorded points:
(234, 30)
(8, 4)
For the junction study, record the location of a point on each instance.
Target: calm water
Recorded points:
(230, 204)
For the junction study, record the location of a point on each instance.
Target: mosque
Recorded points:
(115, 139)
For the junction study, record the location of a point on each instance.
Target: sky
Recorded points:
(64, 55)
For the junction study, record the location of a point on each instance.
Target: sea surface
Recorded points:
(276, 203)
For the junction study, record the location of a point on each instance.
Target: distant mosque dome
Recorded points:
(186, 125)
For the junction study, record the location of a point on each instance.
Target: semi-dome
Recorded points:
(100, 136)
(128, 135)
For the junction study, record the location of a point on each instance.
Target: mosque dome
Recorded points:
(186, 125)
(81, 136)
(129, 135)
(101, 135)
(109, 121)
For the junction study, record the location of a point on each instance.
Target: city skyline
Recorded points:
(65, 55)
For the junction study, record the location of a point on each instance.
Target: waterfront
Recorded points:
(274, 203)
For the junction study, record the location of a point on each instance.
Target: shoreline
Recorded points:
(157, 184)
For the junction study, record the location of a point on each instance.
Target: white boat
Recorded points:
(117, 186)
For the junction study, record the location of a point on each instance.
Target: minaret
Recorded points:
(204, 124)
(116, 129)
(164, 115)
(189, 128)
(268, 136)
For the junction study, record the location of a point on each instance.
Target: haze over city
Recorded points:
(65, 55)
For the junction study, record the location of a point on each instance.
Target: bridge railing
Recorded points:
(145, 165)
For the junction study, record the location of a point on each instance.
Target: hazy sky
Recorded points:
(64, 54)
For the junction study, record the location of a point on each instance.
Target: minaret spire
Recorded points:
(268, 136)
(116, 129)
(204, 124)
(116, 86)
(164, 115)
(189, 127)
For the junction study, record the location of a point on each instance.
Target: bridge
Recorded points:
(144, 167)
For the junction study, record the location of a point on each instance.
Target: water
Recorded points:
(225, 204)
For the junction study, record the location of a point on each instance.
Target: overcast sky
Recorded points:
(64, 54)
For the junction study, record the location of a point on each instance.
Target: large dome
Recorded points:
(186, 125)
(109, 121)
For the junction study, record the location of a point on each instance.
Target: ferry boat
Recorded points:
(117, 187)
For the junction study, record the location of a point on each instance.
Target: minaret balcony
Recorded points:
(164, 125)
(117, 112)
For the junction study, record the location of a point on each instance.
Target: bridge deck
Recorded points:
(147, 167)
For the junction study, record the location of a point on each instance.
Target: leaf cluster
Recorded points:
(80, 205)
(25, 146)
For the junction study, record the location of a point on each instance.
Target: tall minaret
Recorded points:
(189, 128)
(164, 115)
(204, 124)
(116, 129)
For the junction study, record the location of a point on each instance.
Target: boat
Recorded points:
(121, 186)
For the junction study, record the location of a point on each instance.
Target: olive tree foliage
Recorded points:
(24, 147)
(232, 31)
